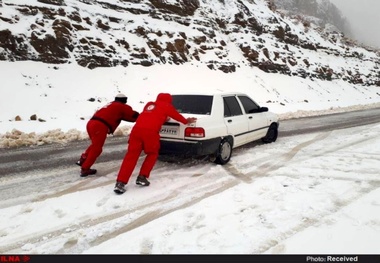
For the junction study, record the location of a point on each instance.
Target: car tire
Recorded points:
(224, 153)
(271, 135)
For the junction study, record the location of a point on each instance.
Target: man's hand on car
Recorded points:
(191, 120)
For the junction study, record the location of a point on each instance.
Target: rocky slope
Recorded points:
(224, 34)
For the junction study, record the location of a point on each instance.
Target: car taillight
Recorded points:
(194, 132)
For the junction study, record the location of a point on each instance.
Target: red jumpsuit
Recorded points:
(145, 136)
(105, 121)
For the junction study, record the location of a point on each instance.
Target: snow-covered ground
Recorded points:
(316, 193)
(311, 194)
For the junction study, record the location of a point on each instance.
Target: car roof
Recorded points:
(220, 93)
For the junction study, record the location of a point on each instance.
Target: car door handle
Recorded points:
(229, 121)
(250, 117)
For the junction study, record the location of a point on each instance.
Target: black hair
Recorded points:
(122, 100)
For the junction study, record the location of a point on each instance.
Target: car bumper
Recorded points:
(189, 148)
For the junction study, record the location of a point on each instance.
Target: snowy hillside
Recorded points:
(223, 35)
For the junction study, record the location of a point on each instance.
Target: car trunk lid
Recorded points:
(175, 130)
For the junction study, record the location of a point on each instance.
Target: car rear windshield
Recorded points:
(195, 104)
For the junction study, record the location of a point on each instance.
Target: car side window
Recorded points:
(249, 105)
(231, 107)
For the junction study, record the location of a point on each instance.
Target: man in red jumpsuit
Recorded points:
(145, 135)
(103, 122)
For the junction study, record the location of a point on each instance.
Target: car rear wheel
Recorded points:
(224, 152)
(271, 135)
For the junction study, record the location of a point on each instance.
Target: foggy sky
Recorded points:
(363, 16)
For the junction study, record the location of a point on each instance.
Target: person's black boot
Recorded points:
(119, 188)
(142, 180)
(80, 161)
(86, 172)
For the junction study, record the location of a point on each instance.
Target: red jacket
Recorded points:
(115, 112)
(156, 113)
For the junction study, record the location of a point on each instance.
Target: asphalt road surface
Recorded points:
(27, 160)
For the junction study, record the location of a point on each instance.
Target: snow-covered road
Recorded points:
(310, 193)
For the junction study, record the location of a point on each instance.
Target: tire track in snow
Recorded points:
(76, 184)
(265, 168)
(88, 184)
(281, 160)
(270, 166)
(155, 214)
(339, 205)
(168, 205)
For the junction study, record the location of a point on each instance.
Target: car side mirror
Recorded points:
(263, 109)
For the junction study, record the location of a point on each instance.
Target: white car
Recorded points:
(224, 121)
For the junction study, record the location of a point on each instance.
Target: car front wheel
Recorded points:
(224, 152)
(271, 135)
